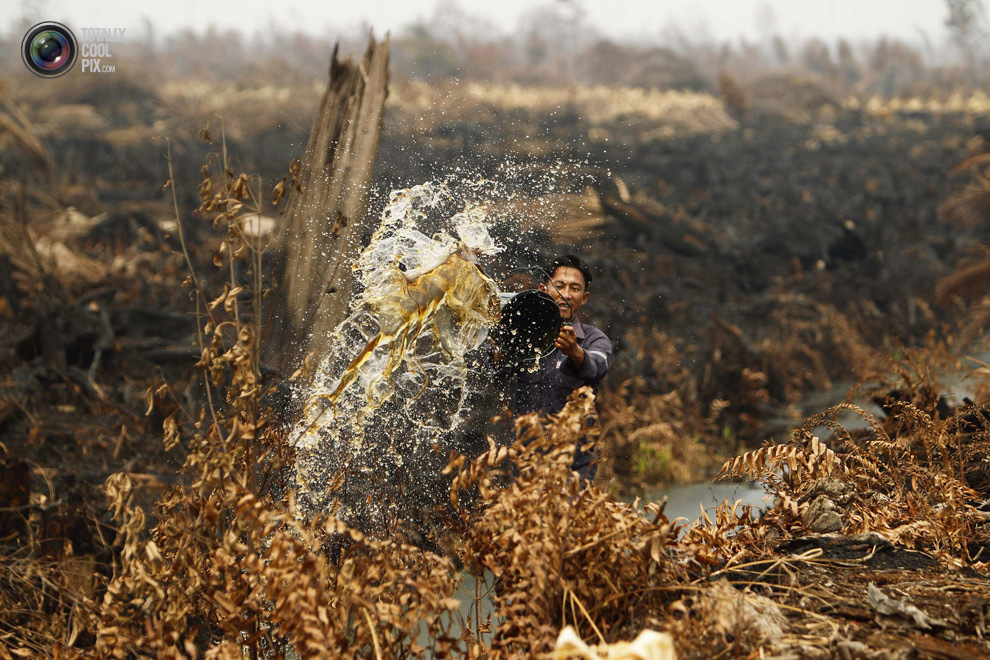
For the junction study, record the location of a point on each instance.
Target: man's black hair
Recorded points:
(570, 261)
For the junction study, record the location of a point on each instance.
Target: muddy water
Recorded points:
(422, 304)
(394, 383)
(687, 500)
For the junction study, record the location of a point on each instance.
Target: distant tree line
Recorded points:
(555, 43)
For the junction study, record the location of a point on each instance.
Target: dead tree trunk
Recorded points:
(320, 232)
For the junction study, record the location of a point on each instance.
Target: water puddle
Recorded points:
(687, 500)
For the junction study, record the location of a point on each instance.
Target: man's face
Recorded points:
(567, 290)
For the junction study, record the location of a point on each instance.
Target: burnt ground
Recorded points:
(839, 615)
(778, 256)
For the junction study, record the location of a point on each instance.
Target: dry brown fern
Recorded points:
(561, 552)
(909, 488)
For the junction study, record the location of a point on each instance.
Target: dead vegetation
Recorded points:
(654, 427)
(794, 580)
(229, 568)
(216, 562)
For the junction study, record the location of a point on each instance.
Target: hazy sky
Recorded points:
(720, 19)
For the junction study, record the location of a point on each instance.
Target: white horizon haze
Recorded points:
(914, 21)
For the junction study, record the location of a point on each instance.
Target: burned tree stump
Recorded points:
(320, 232)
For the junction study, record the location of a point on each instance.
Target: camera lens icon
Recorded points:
(49, 49)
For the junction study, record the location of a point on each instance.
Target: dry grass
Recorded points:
(968, 206)
(655, 429)
(974, 103)
(17, 129)
(808, 341)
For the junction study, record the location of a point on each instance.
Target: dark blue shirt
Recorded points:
(547, 388)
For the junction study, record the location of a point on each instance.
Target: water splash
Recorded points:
(395, 380)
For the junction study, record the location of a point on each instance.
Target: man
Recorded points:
(580, 355)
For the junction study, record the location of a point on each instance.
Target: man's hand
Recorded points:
(567, 343)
